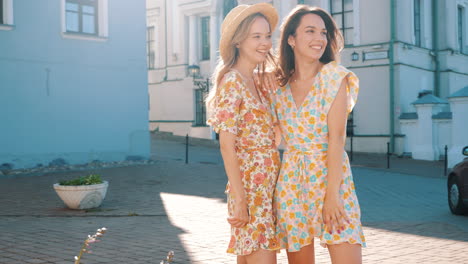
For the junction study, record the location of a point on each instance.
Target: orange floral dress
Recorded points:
(238, 112)
(302, 181)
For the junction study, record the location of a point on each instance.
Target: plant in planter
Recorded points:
(82, 193)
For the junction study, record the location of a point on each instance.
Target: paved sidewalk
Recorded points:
(434, 169)
(151, 209)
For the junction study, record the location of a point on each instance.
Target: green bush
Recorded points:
(87, 180)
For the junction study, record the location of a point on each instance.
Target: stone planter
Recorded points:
(82, 196)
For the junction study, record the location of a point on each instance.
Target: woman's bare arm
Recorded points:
(333, 210)
(231, 164)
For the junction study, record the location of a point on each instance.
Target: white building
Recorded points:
(398, 48)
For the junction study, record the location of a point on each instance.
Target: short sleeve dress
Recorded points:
(238, 112)
(302, 181)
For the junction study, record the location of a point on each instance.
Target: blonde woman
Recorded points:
(242, 117)
(315, 194)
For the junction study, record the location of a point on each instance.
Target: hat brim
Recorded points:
(228, 30)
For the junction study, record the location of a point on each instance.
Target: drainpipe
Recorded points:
(435, 47)
(392, 74)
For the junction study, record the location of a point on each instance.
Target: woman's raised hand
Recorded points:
(278, 135)
(270, 82)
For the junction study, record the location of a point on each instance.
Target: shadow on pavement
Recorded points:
(152, 209)
(34, 219)
(410, 197)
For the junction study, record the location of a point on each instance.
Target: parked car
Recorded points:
(457, 184)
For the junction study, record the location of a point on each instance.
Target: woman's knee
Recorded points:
(306, 255)
(345, 253)
(261, 256)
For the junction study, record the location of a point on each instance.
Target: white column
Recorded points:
(175, 32)
(451, 17)
(193, 41)
(459, 108)
(408, 128)
(214, 42)
(423, 142)
(325, 4)
(356, 22)
(425, 147)
(284, 8)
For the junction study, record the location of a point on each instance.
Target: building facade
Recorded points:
(73, 82)
(400, 49)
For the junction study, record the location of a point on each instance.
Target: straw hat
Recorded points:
(236, 16)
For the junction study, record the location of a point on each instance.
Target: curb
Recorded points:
(181, 139)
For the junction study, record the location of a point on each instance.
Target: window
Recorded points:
(150, 46)
(200, 109)
(228, 5)
(461, 28)
(205, 45)
(350, 125)
(342, 12)
(82, 16)
(1, 12)
(417, 23)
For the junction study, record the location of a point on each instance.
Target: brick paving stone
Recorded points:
(182, 208)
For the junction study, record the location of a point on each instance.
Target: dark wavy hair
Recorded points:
(288, 28)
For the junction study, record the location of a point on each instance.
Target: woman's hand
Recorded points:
(333, 214)
(270, 82)
(241, 216)
(278, 135)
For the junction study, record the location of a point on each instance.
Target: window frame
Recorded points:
(6, 15)
(200, 107)
(81, 13)
(103, 23)
(350, 124)
(228, 5)
(347, 42)
(417, 25)
(461, 21)
(205, 38)
(150, 44)
(2, 22)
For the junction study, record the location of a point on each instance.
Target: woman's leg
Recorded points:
(304, 256)
(260, 256)
(345, 253)
(241, 260)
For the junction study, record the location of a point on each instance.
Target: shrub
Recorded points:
(86, 180)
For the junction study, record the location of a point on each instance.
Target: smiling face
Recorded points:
(257, 44)
(310, 39)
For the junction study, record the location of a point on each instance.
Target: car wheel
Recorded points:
(454, 198)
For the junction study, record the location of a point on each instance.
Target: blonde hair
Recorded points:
(224, 67)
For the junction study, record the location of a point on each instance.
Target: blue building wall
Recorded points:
(80, 100)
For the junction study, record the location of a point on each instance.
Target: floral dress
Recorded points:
(237, 111)
(302, 180)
